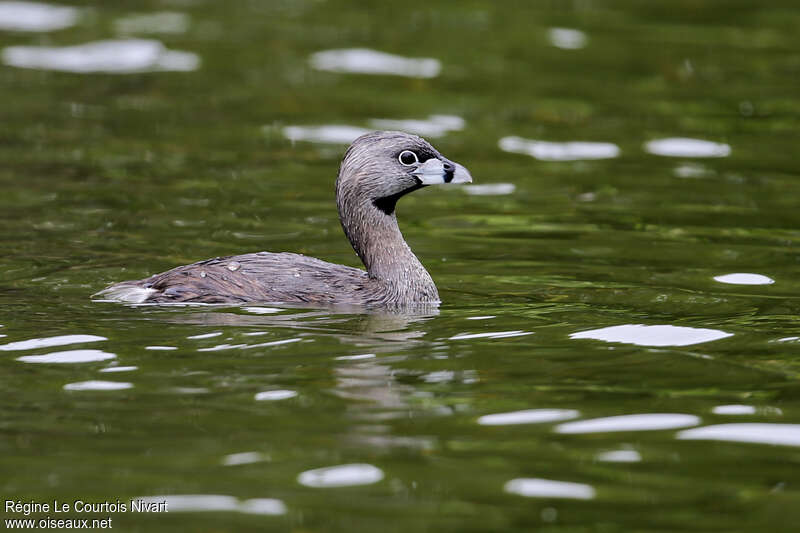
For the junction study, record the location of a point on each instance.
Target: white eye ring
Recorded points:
(407, 158)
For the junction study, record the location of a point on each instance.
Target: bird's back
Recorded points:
(257, 277)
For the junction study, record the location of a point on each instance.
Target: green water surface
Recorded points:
(106, 177)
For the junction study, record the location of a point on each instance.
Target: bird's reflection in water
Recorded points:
(379, 330)
(366, 381)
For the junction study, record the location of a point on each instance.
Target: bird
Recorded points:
(376, 171)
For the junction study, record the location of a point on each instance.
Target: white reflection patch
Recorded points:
(330, 134)
(554, 151)
(567, 38)
(69, 356)
(684, 147)
(341, 476)
(113, 56)
(98, 385)
(619, 456)
(548, 488)
(433, 126)
(205, 335)
(490, 335)
(274, 395)
(47, 342)
(528, 416)
(36, 16)
(366, 61)
(734, 410)
(113, 369)
(355, 357)
(490, 189)
(776, 434)
(244, 458)
(161, 348)
(641, 422)
(262, 310)
(193, 503)
(691, 170)
(161, 22)
(642, 335)
(744, 278)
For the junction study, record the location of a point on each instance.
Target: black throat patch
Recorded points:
(388, 203)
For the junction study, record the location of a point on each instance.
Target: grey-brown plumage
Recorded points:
(377, 169)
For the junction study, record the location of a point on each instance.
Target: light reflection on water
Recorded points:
(529, 416)
(36, 16)
(433, 126)
(685, 147)
(757, 433)
(567, 38)
(638, 422)
(548, 488)
(663, 335)
(490, 189)
(341, 476)
(98, 385)
(244, 458)
(366, 61)
(69, 356)
(559, 151)
(744, 279)
(619, 456)
(275, 395)
(111, 56)
(48, 342)
(193, 503)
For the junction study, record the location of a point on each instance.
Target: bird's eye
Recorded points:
(407, 158)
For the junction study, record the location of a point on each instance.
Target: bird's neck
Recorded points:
(377, 240)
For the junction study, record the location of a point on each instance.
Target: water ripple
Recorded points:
(36, 16)
(490, 335)
(567, 38)
(47, 342)
(662, 335)
(69, 356)
(274, 395)
(366, 61)
(490, 189)
(776, 434)
(244, 458)
(111, 56)
(347, 475)
(685, 147)
(98, 385)
(112, 369)
(619, 456)
(734, 410)
(548, 488)
(744, 278)
(639, 422)
(528, 416)
(433, 126)
(556, 151)
(326, 134)
(193, 503)
(205, 335)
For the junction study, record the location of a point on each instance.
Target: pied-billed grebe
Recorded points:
(377, 170)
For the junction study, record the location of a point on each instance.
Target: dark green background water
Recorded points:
(108, 177)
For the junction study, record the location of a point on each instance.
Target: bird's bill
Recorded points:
(433, 172)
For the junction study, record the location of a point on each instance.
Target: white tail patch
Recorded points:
(133, 294)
